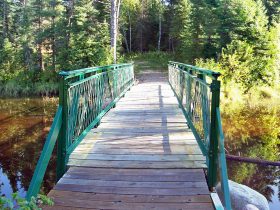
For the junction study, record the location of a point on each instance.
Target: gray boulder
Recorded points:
(250, 207)
(244, 198)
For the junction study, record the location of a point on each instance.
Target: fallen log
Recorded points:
(252, 160)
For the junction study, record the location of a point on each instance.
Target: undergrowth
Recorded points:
(16, 202)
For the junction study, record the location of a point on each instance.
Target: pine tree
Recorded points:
(273, 10)
(89, 43)
(179, 34)
(247, 54)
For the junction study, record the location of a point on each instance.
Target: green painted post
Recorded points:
(214, 133)
(62, 140)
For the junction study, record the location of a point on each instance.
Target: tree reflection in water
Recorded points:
(24, 126)
(254, 132)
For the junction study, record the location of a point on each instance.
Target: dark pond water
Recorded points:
(24, 124)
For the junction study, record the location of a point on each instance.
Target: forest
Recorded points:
(239, 38)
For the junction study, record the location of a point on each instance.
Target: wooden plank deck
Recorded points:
(142, 156)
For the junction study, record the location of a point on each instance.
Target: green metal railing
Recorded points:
(198, 94)
(85, 95)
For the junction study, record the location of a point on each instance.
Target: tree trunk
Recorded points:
(115, 11)
(53, 37)
(169, 42)
(130, 37)
(159, 32)
(5, 20)
(69, 14)
(141, 27)
(67, 33)
(40, 50)
(125, 40)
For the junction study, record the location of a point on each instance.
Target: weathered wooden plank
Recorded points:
(189, 146)
(164, 101)
(56, 207)
(108, 138)
(143, 118)
(135, 178)
(122, 142)
(172, 148)
(147, 114)
(142, 126)
(157, 172)
(135, 130)
(129, 184)
(137, 206)
(145, 106)
(131, 190)
(145, 94)
(130, 198)
(137, 164)
(167, 158)
(135, 151)
(160, 136)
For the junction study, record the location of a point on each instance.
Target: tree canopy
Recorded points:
(241, 37)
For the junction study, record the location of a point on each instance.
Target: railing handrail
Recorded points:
(111, 79)
(78, 72)
(45, 156)
(206, 72)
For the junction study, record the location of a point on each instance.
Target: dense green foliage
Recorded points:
(39, 38)
(240, 38)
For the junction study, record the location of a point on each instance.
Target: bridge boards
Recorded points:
(142, 156)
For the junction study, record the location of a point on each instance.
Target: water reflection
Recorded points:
(254, 132)
(264, 179)
(24, 125)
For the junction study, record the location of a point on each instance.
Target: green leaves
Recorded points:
(22, 204)
(6, 203)
(45, 200)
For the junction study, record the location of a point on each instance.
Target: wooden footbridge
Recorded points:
(154, 142)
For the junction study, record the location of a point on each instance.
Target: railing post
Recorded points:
(213, 146)
(62, 139)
